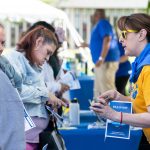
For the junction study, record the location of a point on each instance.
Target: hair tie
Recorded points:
(60, 34)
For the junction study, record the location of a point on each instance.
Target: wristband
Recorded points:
(101, 58)
(121, 118)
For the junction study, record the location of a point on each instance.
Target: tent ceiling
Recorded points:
(30, 10)
(112, 4)
(35, 10)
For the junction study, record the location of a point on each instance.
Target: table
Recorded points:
(94, 139)
(85, 93)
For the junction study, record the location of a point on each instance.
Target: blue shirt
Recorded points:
(99, 32)
(125, 67)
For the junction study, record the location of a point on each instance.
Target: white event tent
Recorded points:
(105, 4)
(30, 10)
(35, 10)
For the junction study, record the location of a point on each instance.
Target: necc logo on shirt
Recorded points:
(134, 93)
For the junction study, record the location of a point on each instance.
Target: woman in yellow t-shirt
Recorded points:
(135, 38)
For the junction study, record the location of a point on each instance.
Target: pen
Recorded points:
(60, 119)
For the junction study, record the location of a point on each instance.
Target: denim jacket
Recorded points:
(34, 92)
(9, 70)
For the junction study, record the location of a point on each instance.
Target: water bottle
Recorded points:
(66, 122)
(74, 114)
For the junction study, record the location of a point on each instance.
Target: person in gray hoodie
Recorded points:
(11, 107)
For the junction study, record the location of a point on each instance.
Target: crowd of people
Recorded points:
(25, 70)
(28, 77)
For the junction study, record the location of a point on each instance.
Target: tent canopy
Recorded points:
(112, 4)
(35, 10)
(30, 10)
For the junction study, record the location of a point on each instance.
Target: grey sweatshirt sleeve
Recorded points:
(11, 117)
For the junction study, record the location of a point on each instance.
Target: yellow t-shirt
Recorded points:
(141, 95)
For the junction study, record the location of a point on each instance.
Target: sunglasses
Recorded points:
(124, 33)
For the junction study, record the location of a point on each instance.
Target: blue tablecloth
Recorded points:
(94, 139)
(87, 116)
(85, 93)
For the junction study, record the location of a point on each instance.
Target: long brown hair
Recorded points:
(135, 22)
(28, 41)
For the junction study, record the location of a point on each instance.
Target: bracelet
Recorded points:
(101, 58)
(121, 118)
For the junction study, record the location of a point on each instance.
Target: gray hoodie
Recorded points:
(11, 117)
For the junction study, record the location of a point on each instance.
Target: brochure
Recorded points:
(70, 79)
(115, 129)
(29, 124)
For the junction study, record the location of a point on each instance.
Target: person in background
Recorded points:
(7, 68)
(105, 53)
(51, 71)
(11, 108)
(52, 67)
(33, 49)
(135, 38)
(123, 72)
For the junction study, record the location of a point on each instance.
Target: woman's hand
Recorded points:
(109, 96)
(56, 102)
(67, 102)
(104, 110)
(64, 88)
(113, 95)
